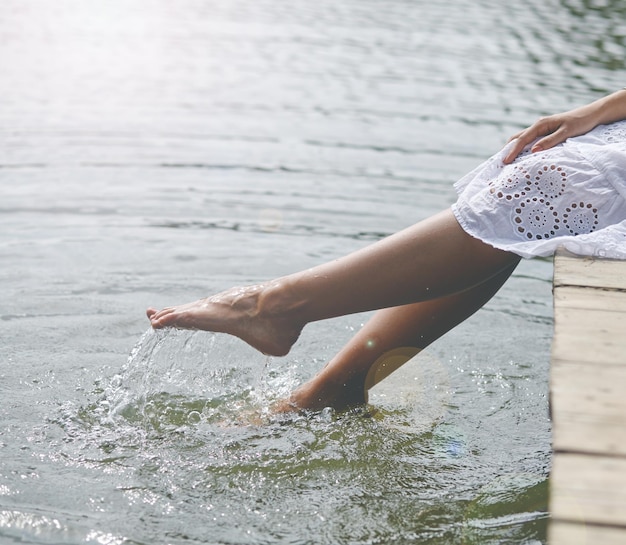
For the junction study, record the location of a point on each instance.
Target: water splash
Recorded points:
(174, 378)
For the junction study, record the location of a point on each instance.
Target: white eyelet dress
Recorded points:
(571, 196)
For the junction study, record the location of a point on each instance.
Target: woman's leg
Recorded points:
(432, 259)
(389, 339)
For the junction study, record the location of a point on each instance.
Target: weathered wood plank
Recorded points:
(585, 298)
(590, 324)
(588, 402)
(570, 270)
(589, 336)
(588, 407)
(594, 437)
(584, 534)
(589, 489)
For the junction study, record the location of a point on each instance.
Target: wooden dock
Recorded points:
(588, 402)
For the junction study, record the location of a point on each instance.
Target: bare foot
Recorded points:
(319, 393)
(244, 312)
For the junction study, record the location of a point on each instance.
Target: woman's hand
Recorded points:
(554, 129)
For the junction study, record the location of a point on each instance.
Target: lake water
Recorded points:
(154, 152)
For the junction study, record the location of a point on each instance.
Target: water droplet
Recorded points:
(194, 417)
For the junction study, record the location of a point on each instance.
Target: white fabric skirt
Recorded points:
(571, 196)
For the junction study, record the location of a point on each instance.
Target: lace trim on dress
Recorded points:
(614, 134)
(537, 191)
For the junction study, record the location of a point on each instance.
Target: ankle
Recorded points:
(326, 390)
(278, 300)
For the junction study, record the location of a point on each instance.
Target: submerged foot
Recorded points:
(243, 312)
(321, 392)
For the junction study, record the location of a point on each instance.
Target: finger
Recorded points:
(524, 138)
(528, 134)
(549, 126)
(513, 152)
(550, 141)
